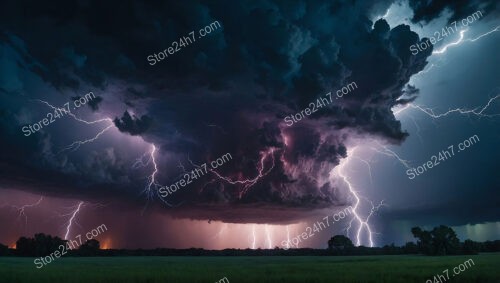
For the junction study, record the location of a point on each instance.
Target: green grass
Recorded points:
(304, 269)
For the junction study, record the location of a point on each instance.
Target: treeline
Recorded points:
(43, 245)
(441, 240)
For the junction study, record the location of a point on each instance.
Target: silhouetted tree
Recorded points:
(441, 240)
(90, 247)
(424, 242)
(410, 248)
(40, 245)
(491, 246)
(4, 250)
(470, 247)
(25, 246)
(390, 249)
(340, 244)
(445, 241)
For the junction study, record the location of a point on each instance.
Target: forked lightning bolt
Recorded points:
(75, 145)
(386, 151)
(363, 224)
(250, 182)
(151, 178)
(152, 186)
(21, 209)
(72, 219)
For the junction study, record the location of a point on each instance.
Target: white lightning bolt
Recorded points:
(70, 222)
(363, 224)
(367, 165)
(73, 115)
(443, 50)
(151, 178)
(268, 236)
(75, 145)
(151, 181)
(461, 39)
(386, 151)
(478, 111)
(254, 237)
(485, 34)
(152, 186)
(287, 237)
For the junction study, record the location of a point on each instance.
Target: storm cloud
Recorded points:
(226, 93)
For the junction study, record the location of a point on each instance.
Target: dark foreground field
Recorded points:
(250, 269)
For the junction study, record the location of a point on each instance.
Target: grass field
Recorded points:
(250, 269)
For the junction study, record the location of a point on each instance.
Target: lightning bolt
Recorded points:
(152, 186)
(367, 165)
(478, 111)
(72, 218)
(151, 178)
(443, 50)
(363, 224)
(484, 34)
(248, 183)
(21, 209)
(461, 39)
(268, 236)
(221, 231)
(73, 115)
(288, 237)
(254, 237)
(75, 145)
(386, 151)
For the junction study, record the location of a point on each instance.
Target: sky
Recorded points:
(151, 122)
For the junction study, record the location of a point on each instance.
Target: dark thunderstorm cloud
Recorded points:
(428, 10)
(228, 92)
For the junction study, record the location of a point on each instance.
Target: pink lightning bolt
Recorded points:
(21, 209)
(250, 182)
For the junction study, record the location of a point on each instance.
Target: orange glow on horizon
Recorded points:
(106, 244)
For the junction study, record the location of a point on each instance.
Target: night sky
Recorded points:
(230, 92)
